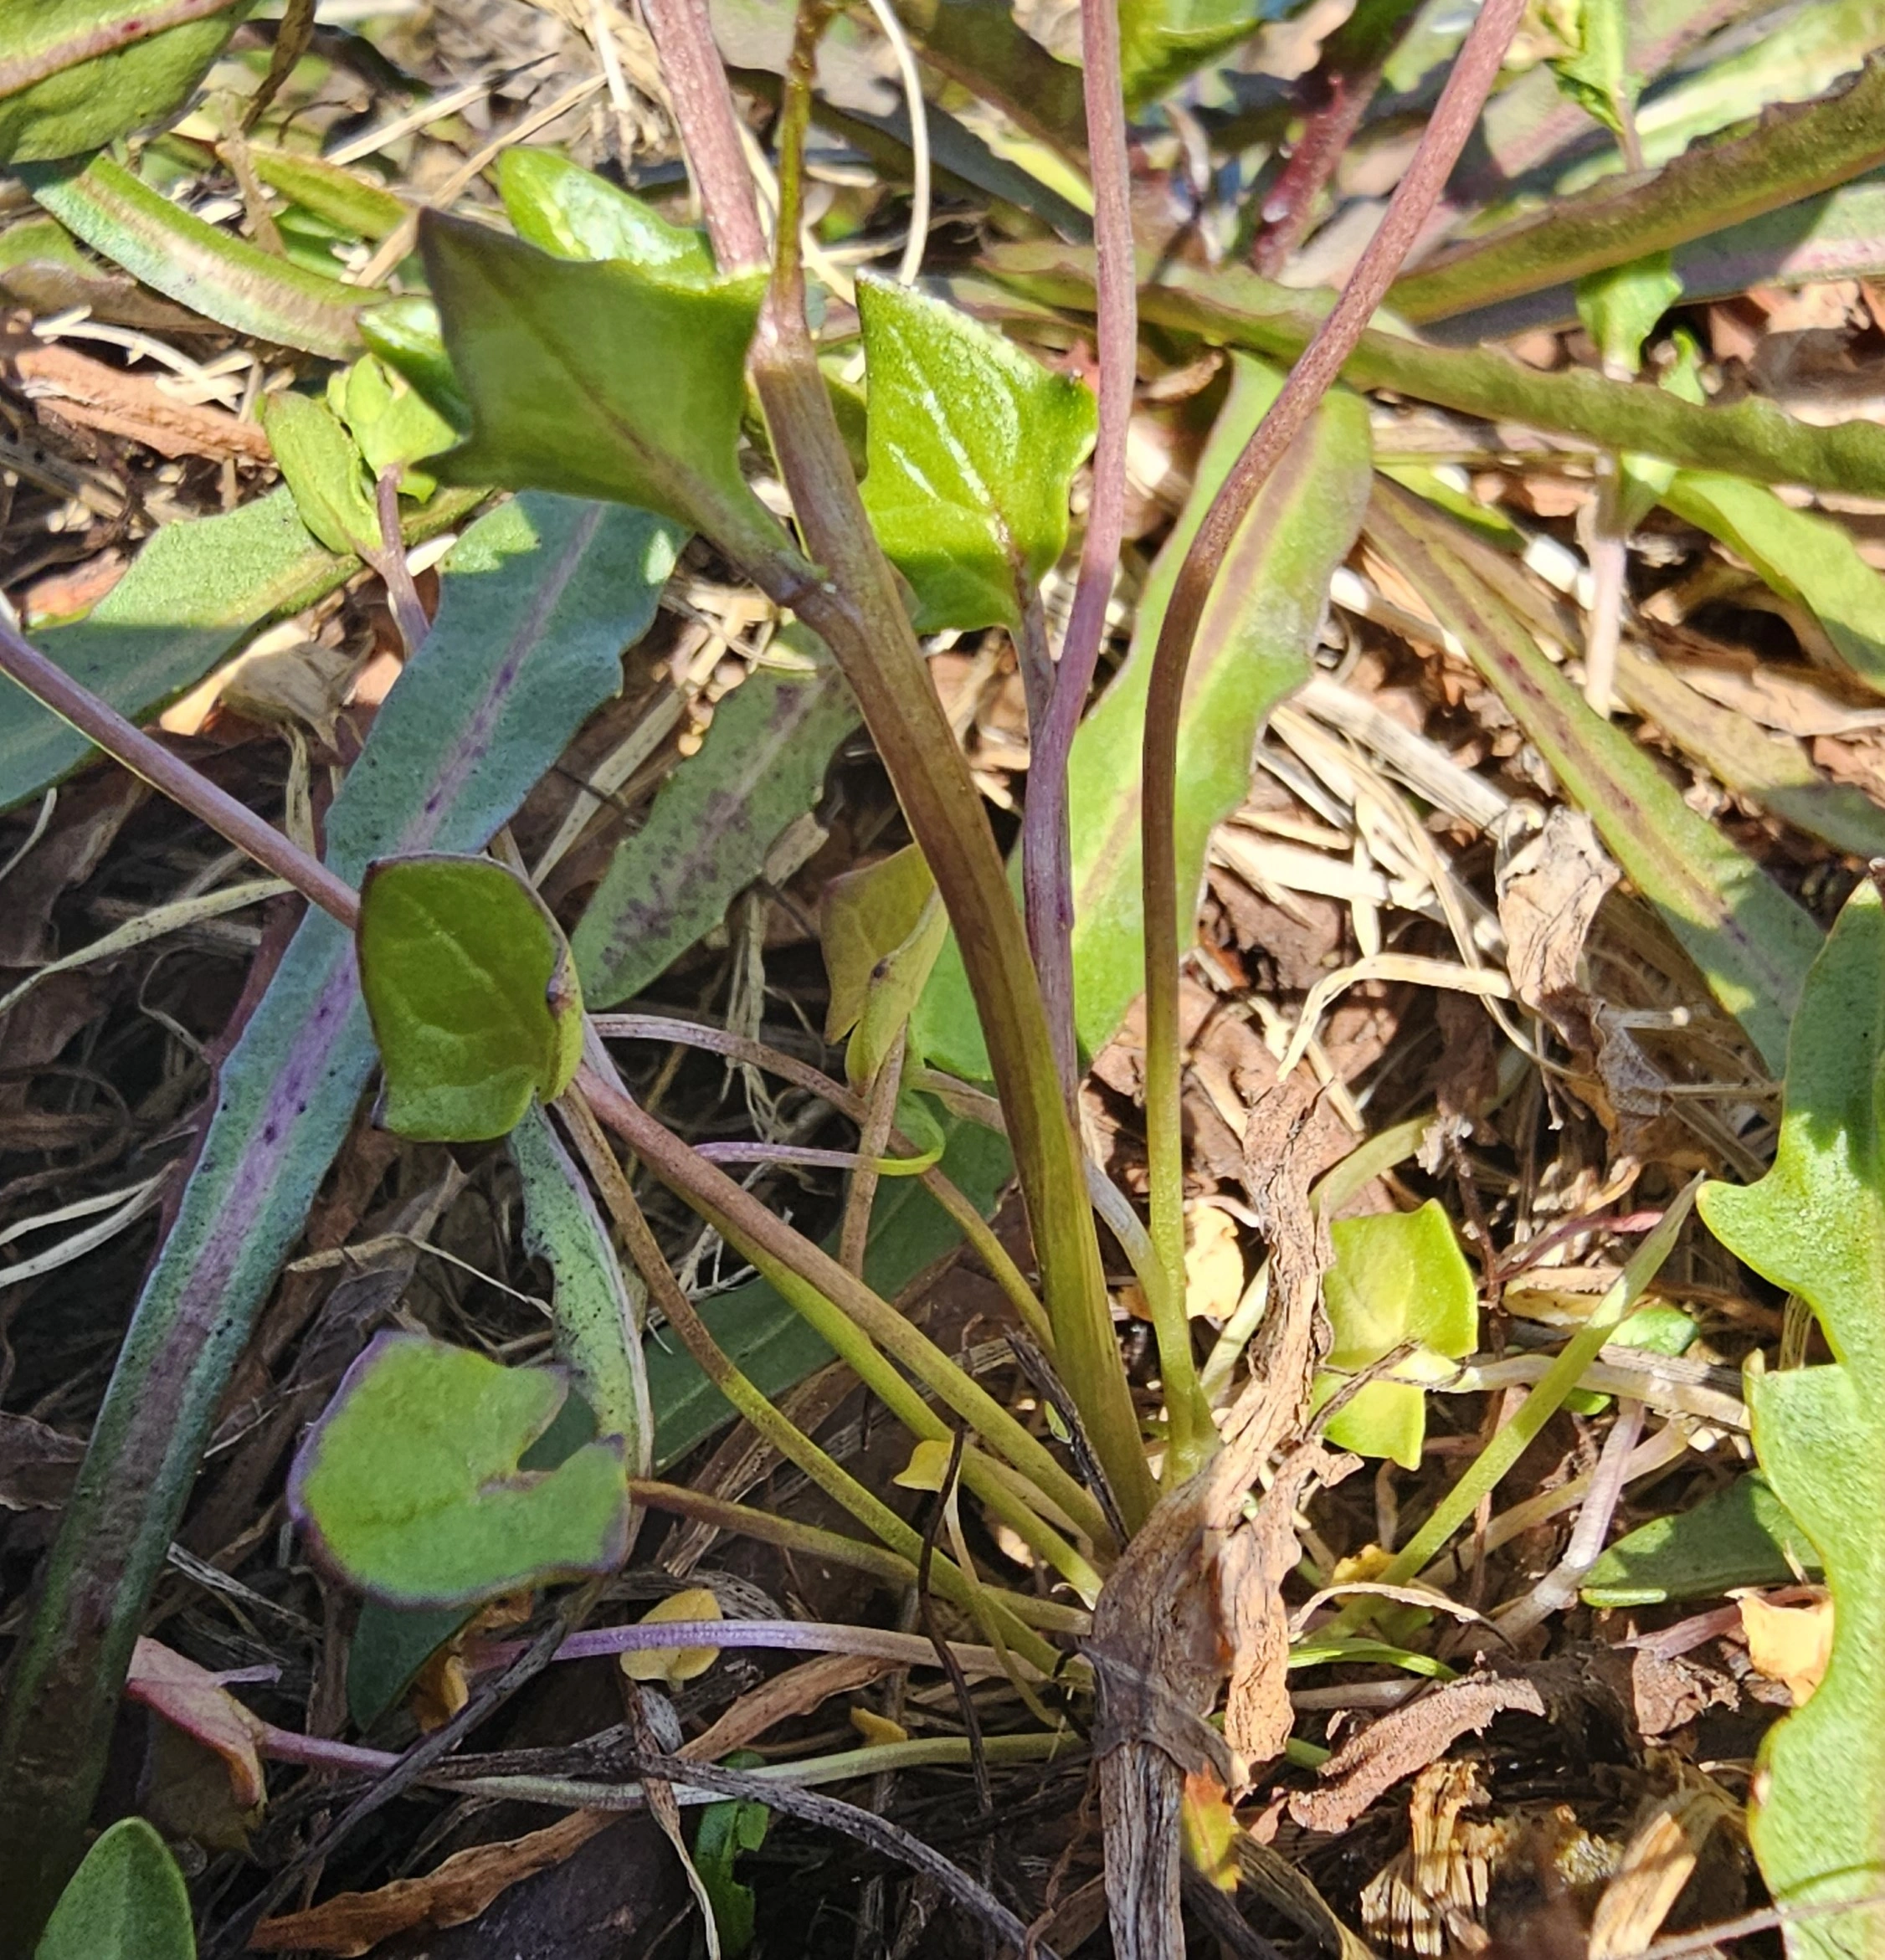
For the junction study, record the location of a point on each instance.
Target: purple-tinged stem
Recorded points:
(1474, 73)
(1046, 849)
(143, 756)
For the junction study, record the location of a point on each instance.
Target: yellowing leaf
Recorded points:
(877, 1730)
(674, 1664)
(1791, 1645)
(929, 1467)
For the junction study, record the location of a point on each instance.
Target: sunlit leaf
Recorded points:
(1620, 306)
(972, 445)
(344, 197)
(393, 423)
(1739, 1536)
(1163, 41)
(409, 1485)
(1397, 1277)
(562, 209)
(474, 1002)
(125, 1902)
(599, 380)
(1814, 1226)
(1596, 73)
(322, 464)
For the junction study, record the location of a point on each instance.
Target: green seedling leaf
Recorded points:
(125, 1902)
(1814, 1226)
(881, 929)
(468, 983)
(393, 423)
(1235, 308)
(724, 1832)
(323, 468)
(537, 602)
(224, 278)
(76, 74)
(1619, 308)
(762, 766)
(405, 334)
(1398, 1276)
(1740, 1535)
(1751, 942)
(597, 1317)
(343, 197)
(1806, 559)
(1253, 649)
(197, 589)
(562, 209)
(599, 380)
(408, 1486)
(1796, 151)
(972, 445)
(1595, 75)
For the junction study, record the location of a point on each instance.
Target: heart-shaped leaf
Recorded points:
(125, 1902)
(473, 997)
(409, 1485)
(599, 380)
(972, 446)
(1398, 1276)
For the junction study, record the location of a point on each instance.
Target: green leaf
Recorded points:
(724, 1831)
(1752, 943)
(125, 1902)
(408, 1486)
(882, 928)
(225, 279)
(1739, 1536)
(597, 1317)
(1252, 649)
(60, 95)
(1796, 151)
(562, 209)
(1814, 1226)
(197, 589)
(972, 446)
(1619, 308)
(596, 380)
(1231, 307)
(1398, 1276)
(1163, 41)
(468, 983)
(537, 602)
(322, 467)
(343, 197)
(1596, 74)
(405, 334)
(979, 45)
(1805, 557)
(393, 423)
(761, 766)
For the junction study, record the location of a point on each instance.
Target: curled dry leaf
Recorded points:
(1791, 1645)
(197, 1701)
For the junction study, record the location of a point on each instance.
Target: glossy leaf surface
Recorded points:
(972, 446)
(1814, 1226)
(469, 986)
(562, 209)
(125, 1902)
(598, 379)
(1397, 1276)
(409, 1485)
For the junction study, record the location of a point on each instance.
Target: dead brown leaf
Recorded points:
(76, 388)
(196, 1701)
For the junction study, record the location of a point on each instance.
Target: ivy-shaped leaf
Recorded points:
(125, 1902)
(1814, 1226)
(599, 380)
(409, 1485)
(1398, 1276)
(972, 446)
(474, 1000)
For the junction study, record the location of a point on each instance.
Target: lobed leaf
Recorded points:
(468, 983)
(973, 445)
(1814, 1226)
(408, 1487)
